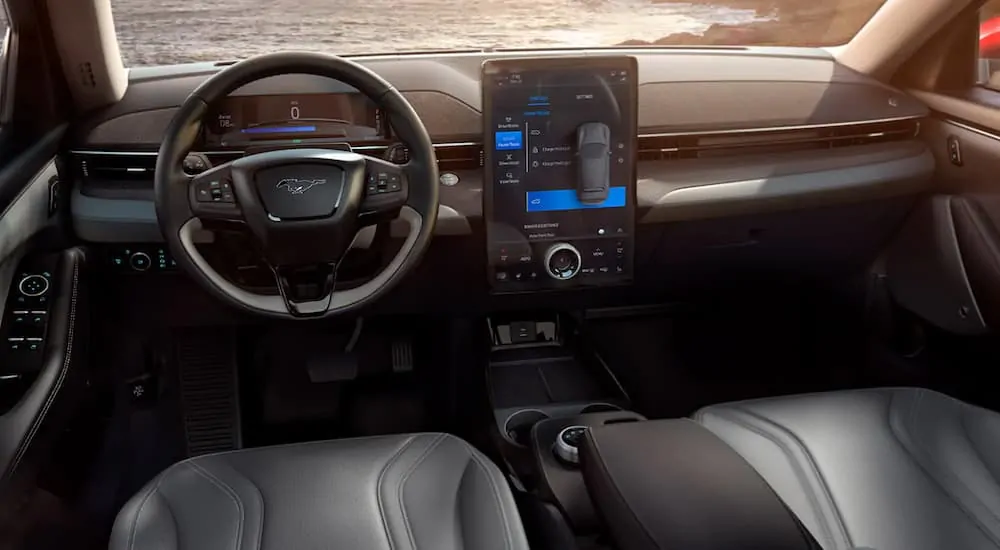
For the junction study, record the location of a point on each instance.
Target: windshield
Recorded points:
(158, 32)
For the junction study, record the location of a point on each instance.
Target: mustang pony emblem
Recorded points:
(296, 186)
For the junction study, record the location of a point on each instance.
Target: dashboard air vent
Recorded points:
(459, 156)
(450, 156)
(756, 142)
(116, 171)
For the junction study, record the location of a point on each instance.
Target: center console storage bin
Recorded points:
(672, 484)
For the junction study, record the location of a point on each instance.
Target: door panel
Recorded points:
(25, 202)
(26, 216)
(30, 214)
(945, 264)
(979, 241)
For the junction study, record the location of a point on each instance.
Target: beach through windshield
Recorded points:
(158, 32)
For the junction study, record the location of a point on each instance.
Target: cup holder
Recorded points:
(600, 408)
(517, 427)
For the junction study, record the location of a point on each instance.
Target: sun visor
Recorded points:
(84, 33)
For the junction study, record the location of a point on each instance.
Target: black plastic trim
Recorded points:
(16, 174)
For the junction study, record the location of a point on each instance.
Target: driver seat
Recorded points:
(405, 492)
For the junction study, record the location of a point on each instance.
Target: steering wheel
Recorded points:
(304, 207)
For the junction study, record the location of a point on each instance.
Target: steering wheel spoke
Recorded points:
(211, 195)
(387, 189)
(306, 291)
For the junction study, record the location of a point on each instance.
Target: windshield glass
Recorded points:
(158, 32)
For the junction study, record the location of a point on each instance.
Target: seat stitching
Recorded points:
(173, 519)
(965, 431)
(810, 462)
(507, 531)
(271, 448)
(142, 505)
(920, 456)
(228, 491)
(378, 486)
(402, 484)
(260, 500)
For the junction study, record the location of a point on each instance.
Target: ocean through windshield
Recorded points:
(160, 32)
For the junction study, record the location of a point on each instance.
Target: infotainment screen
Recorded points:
(560, 148)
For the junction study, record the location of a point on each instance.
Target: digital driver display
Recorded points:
(243, 119)
(560, 147)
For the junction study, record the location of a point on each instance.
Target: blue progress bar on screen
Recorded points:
(278, 129)
(566, 199)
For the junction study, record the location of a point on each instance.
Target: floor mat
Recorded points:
(207, 373)
(320, 382)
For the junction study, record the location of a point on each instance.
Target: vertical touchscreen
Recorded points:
(559, 198)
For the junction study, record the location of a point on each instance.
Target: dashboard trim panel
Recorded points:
(449, 144)
(776, 129)
(667, 191)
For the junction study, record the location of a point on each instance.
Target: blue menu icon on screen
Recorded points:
(508, 141)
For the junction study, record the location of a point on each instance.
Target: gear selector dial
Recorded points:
(567, 444)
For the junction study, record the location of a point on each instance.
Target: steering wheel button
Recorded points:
(394, 186)
(202, 195)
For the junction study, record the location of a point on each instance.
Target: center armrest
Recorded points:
(668, 484)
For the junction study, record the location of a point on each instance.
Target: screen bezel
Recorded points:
(491, 67)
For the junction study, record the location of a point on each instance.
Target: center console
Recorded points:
(674, 484)
(560, 178)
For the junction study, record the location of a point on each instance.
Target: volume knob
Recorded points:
(562, 261)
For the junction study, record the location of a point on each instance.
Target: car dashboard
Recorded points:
(727, 164)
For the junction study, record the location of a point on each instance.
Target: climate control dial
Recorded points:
(562, 261)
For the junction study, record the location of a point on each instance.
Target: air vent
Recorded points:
(450, 156)
(756, 142)
(116, 171)
(459, 156)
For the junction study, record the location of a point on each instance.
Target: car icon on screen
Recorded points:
(593, 163)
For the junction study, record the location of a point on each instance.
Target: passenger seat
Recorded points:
(889, 469)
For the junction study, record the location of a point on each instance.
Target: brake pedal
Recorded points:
(402, 356)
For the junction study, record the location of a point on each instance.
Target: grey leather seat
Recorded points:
(888, 469)
(423, 491)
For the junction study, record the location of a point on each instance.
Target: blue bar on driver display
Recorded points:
(566, 199)
(508, 141)
(278, 129)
